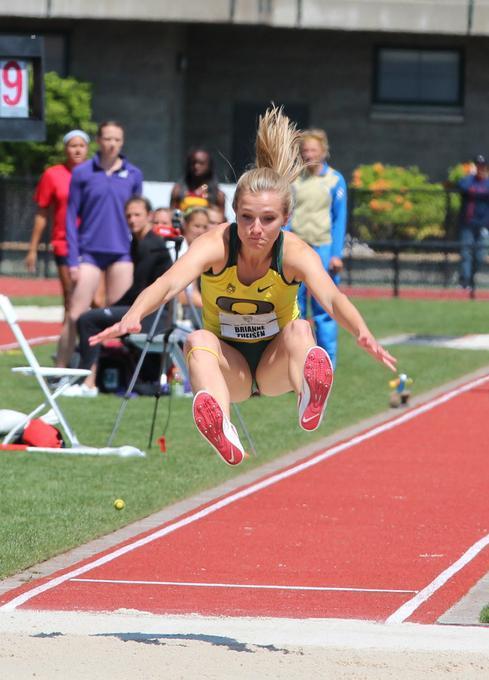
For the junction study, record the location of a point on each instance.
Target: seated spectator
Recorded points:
(216, 216)
(162, 221)
(195, 223)
(151, 259)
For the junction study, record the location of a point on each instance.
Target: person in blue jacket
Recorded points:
(319, 218)
(473, 221)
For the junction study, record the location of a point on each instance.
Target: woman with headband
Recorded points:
(52, 199)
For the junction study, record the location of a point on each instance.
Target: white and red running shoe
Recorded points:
(316, 385)
(216, 428)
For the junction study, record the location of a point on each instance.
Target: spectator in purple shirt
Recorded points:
(100, 246)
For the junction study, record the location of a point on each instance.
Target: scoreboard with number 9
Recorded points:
(14, 89)
(21, 88)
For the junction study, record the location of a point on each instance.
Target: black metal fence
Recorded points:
(408, 237)
(409, 264)
(395, 238)
(17, 210)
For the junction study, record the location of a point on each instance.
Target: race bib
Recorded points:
(248, 326)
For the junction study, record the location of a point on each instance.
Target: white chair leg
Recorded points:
(20, 425)
(10, 316)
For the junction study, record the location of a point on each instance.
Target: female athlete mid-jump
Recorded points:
(250, 274)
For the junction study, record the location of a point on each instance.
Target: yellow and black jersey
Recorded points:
(240, 313)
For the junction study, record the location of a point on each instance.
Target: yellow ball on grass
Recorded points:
(119, 504)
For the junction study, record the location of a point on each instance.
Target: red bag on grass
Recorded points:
(39, 433)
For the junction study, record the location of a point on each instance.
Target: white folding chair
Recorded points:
(50, 397)
(40, 373)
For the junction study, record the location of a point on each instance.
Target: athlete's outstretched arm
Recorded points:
(306, 266)
(185, 270)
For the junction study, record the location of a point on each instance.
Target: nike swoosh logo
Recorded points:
(260, 290)
(307, 420)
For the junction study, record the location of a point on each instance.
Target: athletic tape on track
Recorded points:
(269, 481)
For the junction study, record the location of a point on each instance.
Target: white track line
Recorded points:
(41, 340)
(248, 491)
(405, 611)
(251, 586)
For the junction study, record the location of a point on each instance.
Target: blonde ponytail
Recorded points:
(278, 162)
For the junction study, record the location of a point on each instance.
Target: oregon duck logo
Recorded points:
(244, 306)
(230, 289)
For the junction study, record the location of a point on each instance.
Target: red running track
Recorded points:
(29, 286)
(18, 286)
(36, 332)
(408, 293)
(362, 530)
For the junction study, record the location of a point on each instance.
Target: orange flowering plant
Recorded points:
(392, 202)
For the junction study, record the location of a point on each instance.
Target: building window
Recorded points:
(418, 77)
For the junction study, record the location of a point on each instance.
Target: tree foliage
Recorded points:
(455, 174)
(68, 106)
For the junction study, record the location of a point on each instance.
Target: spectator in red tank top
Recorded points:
(52, 198)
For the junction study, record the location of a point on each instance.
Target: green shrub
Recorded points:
(455, 174)
(460, 171)
(68, 106)
(391, 202)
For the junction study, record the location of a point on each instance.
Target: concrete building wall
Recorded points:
(418, 16)
(424, 16)
(332, 73)
(152, 10)
(137, 78)
(176, 85)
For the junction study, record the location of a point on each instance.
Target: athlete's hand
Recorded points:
(126, 325)
(367, 342)
(74, 271)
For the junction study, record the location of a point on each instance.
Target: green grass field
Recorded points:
(50, 503)
(38, 300)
